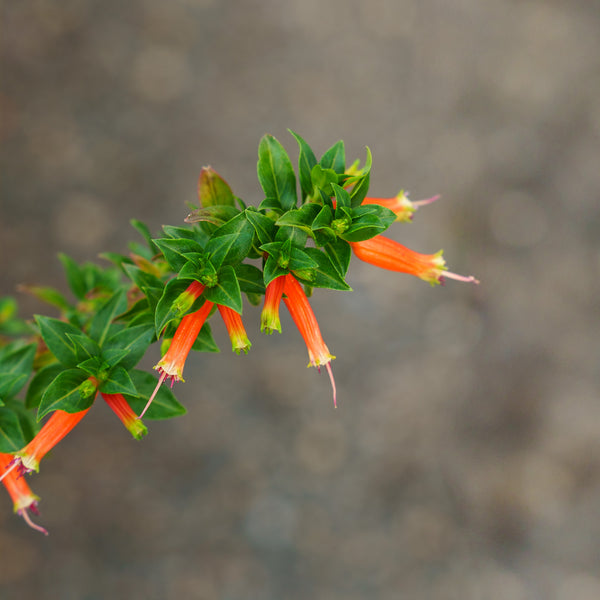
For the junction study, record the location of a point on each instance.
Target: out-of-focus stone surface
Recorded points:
(463, 461)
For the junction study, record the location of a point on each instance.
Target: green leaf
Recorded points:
(335, 158)
(231, 243)
(272, 270)
(63, 394)
(118, 382)
(342, 197)
(11, 434)
(11, 383)
(84, 346)
(299, 259)
(275, 172)
(92, 366)
(174, 250)
(17, 357)
(339, 253)
(250, 279)
(100, 324)
(301, 217)
(143, 230)
(164, 405)
(322, 179)
(324, 275)
(75, 276)
(188, 233)
(306, 161)
(295, 235)
(263, 225)
(213, 190)
(205, 342)
(367, 222)
(164, 311)
(132, 340)
(54, 333)
(48, 295)
(41, 380)
(8, 309)
(227, 291)
(361, 182)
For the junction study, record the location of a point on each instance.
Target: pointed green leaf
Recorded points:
(100, 325)
(64, 394)
(205, 342)
(41, 380)
(227, 291)
(299, 259)
(302, 217)
(306, 161)
(322, 179)
(11, 383)
(188, 233)
(11, 434)
(143, 230)
(54, 334)
(335, 158)
(134, 341)
(361, 182)
(264, 227)
(295, 235)
(342, 197)
(367, 222)
(164, 405)
(174, 250)
(275, 172)
(272, 270)
(323, 276)
(118, 382)
(339, 253)
(84, 346)
(164, 309)
(231, 243)
(48, 295)
(250, 279)
(213, 189)
(75, 276)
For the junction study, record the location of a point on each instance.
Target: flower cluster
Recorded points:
(167, 289)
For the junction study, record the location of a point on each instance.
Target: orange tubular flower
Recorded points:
(235, 329)
(121, 408)
(170, 366)
(297, 303)
(401, 205)
(389, 254)
(22, 496)
(269, 318)
(53, 431)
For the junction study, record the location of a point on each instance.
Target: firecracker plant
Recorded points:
(167, 289)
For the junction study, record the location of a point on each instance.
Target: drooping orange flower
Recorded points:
(389, 254)
(121, 408)
(269, 318)
(54, 430)
(401, 205)
(170, 366)
(20, 492)
(301, 312)
(235, 329)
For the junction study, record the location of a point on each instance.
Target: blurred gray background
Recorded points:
(463, 461)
